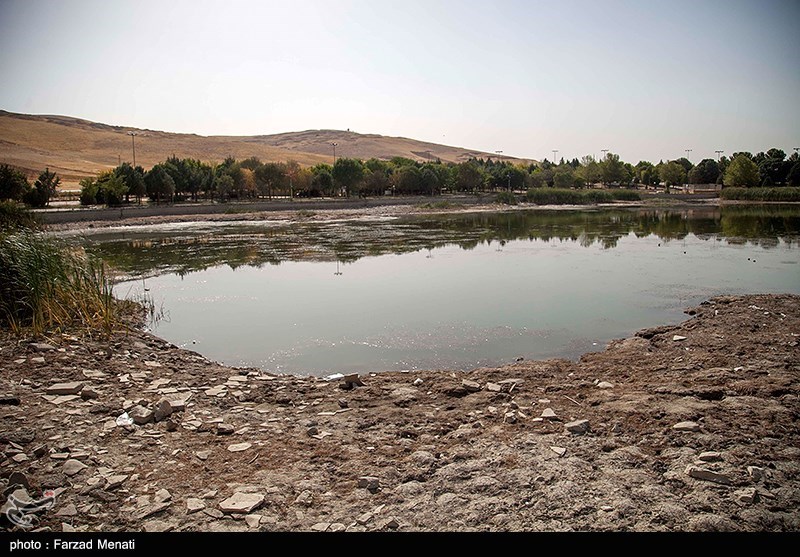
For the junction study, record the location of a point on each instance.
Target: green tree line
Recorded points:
(178, 179)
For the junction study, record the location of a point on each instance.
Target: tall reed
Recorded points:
(46, 285)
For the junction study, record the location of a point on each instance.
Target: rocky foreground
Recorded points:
(687, 427)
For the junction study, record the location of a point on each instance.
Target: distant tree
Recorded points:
(223, 185)
(13, 183)
(408, 180)
(347, 174)
(133, 178)
(706, 172)
(645, 173)
(292, 169)
(563, 176)
(793, 179)
(270, 177)
(160, 184)
(773, 165)
(429, 181)
(112, 189)
(612, 170)
(672, 173)
(321, 181)
(251, 163)
(247, 187)
(469, 176)
(44, 188)
(741, 172)
(588, 172)
(89, 191)
(686, 164)
(536, 179)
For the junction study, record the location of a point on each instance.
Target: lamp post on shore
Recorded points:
(687, 172)
(333, 180)
(133, 145)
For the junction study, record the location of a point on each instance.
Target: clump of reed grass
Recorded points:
(761, 194)
(47, 286)
(556, 196)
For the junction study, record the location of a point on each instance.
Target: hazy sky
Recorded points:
(646, 79)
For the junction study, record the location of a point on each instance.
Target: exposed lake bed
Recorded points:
(690, 424)
(684, 427)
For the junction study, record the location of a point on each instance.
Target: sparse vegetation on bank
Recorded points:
(761, 194)
(47, 286)
(557, 196)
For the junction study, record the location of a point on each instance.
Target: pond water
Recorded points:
(443, 292)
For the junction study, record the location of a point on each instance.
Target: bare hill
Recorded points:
(75, 148)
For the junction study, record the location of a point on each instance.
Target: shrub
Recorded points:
(760, 194)
(506, 198)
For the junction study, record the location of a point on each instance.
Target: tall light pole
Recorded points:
(554, 156)
(687, 172)
(133, 144)
(718, 154)
(333, 180)
(604, 151)
(334, 152)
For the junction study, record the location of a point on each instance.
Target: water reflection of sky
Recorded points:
(447, 292)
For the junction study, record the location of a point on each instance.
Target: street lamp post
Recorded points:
(333, 180)
(604, 151)
(687, 172)
(555, 151)
(133, 144)
(718, 154)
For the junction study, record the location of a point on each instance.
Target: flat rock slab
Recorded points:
(241, 502)
(746, 496)
(72, 388)
(678, 338)
(707, 475)
(710, 456)
(239, 447)
(686, 426)
(150, 510)
(548, 414)
(115, 481)
(42, 346)
(471, 386)
(194, 505)
(560, 451)
(578, 427)
(605, 385)
(72, 467)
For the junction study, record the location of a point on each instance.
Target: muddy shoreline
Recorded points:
(684, 427)
(325, 211)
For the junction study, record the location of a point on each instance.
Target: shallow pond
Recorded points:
(443, 291)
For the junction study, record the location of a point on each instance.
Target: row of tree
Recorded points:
(177, 179)
(14, 185)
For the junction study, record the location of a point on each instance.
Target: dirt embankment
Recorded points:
(687, 427)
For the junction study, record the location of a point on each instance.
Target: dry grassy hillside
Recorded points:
(76, 148)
